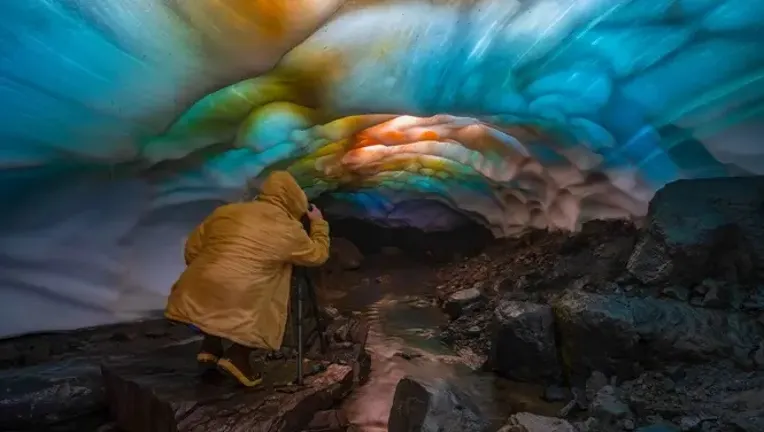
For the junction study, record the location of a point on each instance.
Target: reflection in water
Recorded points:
(396, 296)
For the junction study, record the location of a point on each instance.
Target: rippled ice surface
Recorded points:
(395, 296)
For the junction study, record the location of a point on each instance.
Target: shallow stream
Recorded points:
(397, 296)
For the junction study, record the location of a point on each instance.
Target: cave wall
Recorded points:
(124, 122)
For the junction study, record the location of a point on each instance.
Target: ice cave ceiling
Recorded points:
(123, 122)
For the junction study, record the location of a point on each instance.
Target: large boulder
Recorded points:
(163, 391)
(523, 345)
(703, 228)
(612, 333)
(436, 406)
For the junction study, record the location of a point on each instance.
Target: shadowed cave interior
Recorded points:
(546, 215)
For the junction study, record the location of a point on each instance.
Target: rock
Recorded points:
(524, 345)
(555, 393)
(628, 424)
(750, 421)
(589, 425)
(710, 396)
(658, 428)
(162, 391)
(697, 301)
(328, 421)
(613, 334)
(458, 301)
(608, 406)
(330, 313)
(715, 296)
(38, 396)
(436, 406)
(527, 422)
(594, 384)
(344, 255)
(474, 330)
(755, 301)
(689, 423)
(677, 292)
(702, 228)
(408, 355)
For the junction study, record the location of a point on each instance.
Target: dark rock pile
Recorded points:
(157, 385)
(652, 329)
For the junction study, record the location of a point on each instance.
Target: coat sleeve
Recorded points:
(313, 250)
(194, 244)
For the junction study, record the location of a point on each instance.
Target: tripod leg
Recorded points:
(316, 313)
(299, 333)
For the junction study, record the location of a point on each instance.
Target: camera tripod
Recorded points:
(306, 288)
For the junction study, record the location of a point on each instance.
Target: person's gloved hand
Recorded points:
(314, 214)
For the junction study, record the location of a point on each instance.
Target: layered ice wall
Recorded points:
(123, 122)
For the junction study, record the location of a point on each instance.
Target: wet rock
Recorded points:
(555, 393)
(436, 406)
(628, 424)
(41, 395)
(677, 292)
(613, 334)
(460, 300)
(408, 355)
(527, 422)
(162, 391)
(702, 228)
(330, 313)
(523, 346)
(608, 406)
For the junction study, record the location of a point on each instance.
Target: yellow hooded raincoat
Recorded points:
(237, 282)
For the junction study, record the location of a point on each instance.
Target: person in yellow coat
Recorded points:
(236, 286)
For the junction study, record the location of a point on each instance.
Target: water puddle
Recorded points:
(403, 341)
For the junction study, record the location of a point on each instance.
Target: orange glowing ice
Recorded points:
(429, 136)
(394, 136)
(270, 16)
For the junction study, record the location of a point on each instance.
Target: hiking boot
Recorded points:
(236, 364)
(210, 352)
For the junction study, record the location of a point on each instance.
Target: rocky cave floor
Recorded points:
(651, 329)
(624, 355)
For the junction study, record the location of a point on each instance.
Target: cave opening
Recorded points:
(423, 240)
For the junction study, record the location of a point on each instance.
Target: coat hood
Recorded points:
(282, 190)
